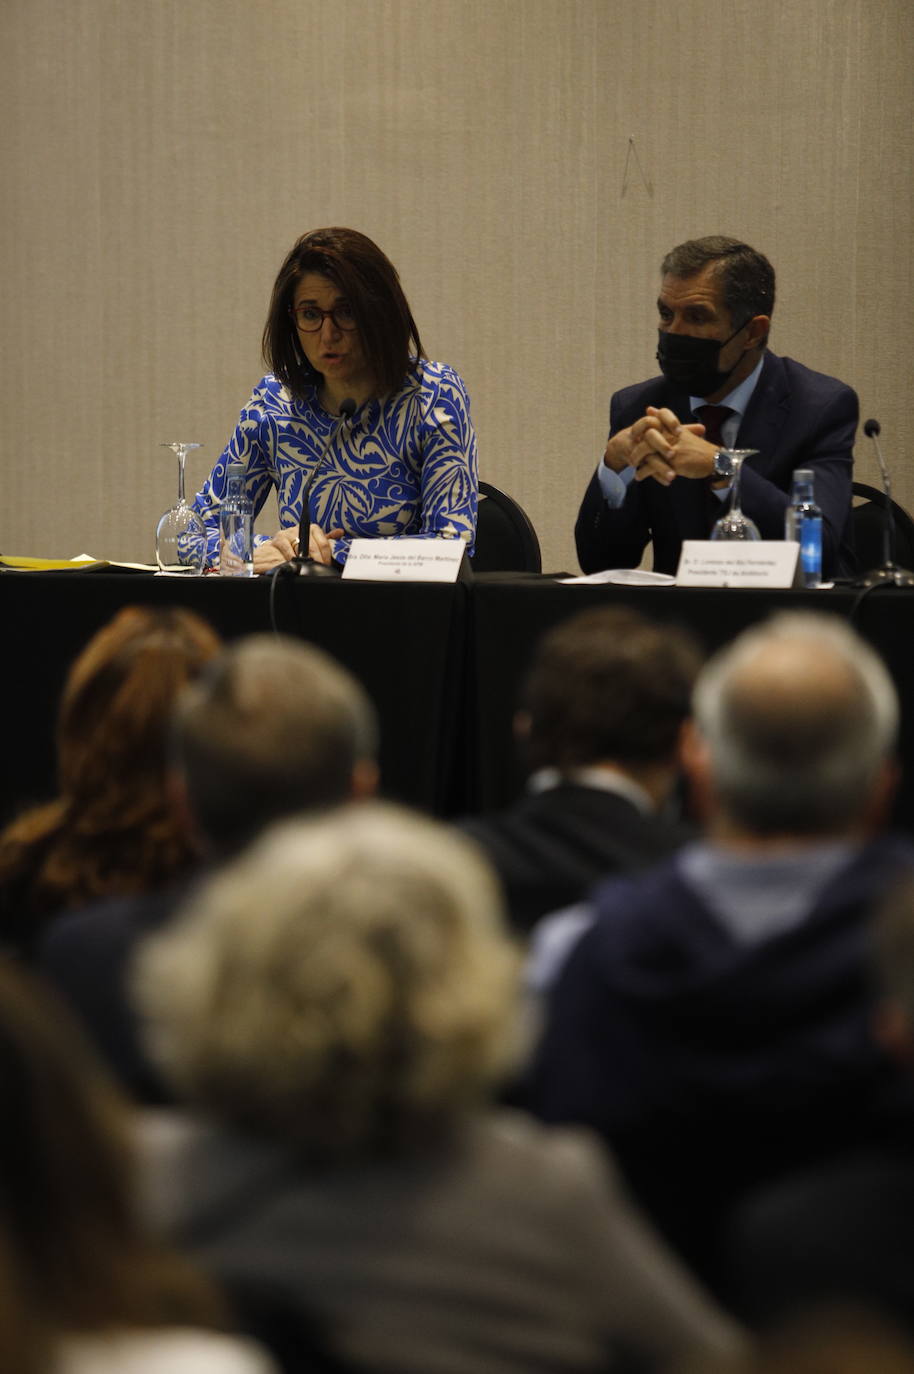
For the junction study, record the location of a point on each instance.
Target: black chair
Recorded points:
(868, 519)
(505, 538)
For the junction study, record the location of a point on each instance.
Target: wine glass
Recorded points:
(180, 534)
(735, 525)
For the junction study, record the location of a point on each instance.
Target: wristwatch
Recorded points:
(723, 465)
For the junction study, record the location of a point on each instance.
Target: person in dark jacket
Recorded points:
(665, 475)
(334, 1011)
(842, 1234)
(275, 727)
(713, 1021)
(600, 725)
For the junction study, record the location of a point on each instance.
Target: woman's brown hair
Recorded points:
(73, 1257)
(370, 284)
(112, 828)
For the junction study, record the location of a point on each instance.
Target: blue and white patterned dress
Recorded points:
(404, 465)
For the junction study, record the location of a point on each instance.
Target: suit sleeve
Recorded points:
(608, 538)
(827, 449)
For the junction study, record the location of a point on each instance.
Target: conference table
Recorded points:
(443, 663)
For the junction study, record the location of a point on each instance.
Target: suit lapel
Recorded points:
(766, 413)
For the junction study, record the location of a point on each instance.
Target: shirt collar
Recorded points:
(756, 897)
(738, 399)
(604, 777)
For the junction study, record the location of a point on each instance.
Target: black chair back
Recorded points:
(868, 517)
(505, 538)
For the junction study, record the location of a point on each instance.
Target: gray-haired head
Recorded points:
(347, 985)
(799, 715)
(273, 727)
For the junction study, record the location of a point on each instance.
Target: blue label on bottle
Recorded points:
(811, 546)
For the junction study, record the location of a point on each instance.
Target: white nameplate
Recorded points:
(726, 563)
(404, 560)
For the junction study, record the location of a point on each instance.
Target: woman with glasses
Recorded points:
(340, 329)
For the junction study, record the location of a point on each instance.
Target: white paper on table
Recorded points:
(626, 577)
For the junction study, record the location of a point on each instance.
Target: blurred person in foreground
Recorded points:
(713, 1021)
(600, 725)
(273, 727)
(829, 1340)
(339, 329)
(337, 1058)
(845, 1232)
(83, 1289)
(112, 828)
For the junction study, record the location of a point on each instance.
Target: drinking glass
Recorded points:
(735, 525)
(181, 534)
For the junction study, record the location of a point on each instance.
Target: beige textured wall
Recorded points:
(159, 156)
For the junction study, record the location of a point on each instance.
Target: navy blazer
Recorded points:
(796, 418)
(551, 847)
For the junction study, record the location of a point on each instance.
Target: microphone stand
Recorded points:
(303, 565)
(889, 574)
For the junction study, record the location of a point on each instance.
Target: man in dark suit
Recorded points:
(603, 710)
(663, 476)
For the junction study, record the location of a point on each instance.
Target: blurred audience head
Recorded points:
(273, 727)
(118, 697)
(796, 723)
(894, 970)
(608, 686)
(845, 1340)
(113, 827)
(72, 1255)
(345, 986)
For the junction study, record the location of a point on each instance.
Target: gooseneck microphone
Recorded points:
(889, 574)
(304, 565)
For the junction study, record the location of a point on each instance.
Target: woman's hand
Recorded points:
(320, 549)
(279, 549)
(284, 546)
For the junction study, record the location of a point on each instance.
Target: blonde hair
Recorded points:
(346, 985)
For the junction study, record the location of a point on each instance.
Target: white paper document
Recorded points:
(626, 577)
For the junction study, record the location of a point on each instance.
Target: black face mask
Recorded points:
(692, 363)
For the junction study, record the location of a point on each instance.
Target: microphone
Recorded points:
(889, 574)
(303, 565)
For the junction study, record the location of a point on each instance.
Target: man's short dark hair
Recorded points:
(608, 685)
(746, 276)
(272, 728)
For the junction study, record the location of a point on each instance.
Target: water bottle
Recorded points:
(236, 526)
(803, 523)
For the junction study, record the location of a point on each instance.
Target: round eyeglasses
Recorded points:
(310, 318)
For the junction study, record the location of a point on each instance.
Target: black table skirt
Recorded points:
(443, 664)
(406, 645)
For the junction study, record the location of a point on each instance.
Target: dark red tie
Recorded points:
(713, 417)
